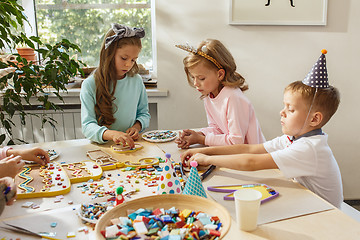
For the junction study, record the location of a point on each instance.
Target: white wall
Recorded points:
(269, 57)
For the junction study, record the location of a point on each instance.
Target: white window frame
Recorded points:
(29, 9)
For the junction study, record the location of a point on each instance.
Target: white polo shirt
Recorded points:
(311, 162)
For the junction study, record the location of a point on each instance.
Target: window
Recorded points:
(85, 22)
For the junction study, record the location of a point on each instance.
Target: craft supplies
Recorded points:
(165, 207)
(17, 229)
(91, 212)
(119, 148)
(159, 136)
(267, 192)
(42, 181)
(179, 223)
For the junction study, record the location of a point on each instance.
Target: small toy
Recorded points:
(119, 148)
(268, 193)
(193, 184)
(119, 197)
(159, 136)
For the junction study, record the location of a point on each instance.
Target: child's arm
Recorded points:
(243, 162)
(90, 127)
(226, 150)
(37, 155)
(142, 111)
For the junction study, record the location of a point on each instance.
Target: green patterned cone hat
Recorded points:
(193, 184)
(169, 182)
(318, 77)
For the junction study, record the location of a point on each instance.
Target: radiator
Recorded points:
(68, 127)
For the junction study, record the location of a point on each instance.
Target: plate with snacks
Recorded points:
(159, 136)
(202, 212)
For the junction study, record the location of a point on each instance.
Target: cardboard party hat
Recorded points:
(169, 182)
(318, 77)
(193, 184)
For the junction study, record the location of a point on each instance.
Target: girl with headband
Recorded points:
(114, 103)
(211, 69)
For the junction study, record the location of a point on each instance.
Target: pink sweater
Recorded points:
(231, 119)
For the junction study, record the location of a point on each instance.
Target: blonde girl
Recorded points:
(211, 69)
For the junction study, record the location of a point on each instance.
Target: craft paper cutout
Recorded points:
(267, 192)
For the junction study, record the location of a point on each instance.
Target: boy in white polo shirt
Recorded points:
(302, 152)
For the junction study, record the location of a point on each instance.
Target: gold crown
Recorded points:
(199, 52)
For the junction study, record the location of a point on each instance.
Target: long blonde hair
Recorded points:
(106, 78)
(220, 53)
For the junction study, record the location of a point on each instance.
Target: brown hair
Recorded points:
(220, 53)
(106, 79)
(326, 100)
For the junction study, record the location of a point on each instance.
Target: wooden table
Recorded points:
(330, 223)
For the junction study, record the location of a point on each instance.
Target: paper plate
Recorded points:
(53, 154)
(103, 201)
(167, 201)
(159, 136)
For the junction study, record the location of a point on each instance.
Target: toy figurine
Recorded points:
(119, 197)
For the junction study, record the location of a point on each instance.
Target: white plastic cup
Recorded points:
(247, 205)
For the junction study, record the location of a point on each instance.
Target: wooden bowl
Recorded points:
(167, 201)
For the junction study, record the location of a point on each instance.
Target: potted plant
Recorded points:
(28, 78)
(27, 52)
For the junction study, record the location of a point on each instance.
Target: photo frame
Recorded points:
(278, 12)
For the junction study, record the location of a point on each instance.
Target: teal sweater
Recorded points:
(130, 105)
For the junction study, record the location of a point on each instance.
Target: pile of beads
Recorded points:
(164, 224)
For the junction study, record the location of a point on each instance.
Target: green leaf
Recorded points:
(2, 138)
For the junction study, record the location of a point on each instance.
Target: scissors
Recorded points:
(18, 229)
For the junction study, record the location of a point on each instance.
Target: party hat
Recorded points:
(318, 77)
(193, 184)
(169, 182)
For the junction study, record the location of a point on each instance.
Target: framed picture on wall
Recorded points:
(278, 12)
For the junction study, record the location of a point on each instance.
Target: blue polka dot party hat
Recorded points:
(318, 77)
(193, 184)
(169, 182)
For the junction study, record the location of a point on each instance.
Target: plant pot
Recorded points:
(27, 53)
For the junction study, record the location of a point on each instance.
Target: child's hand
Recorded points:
(181, 143)
(8, 182)
(187, 155)
(11, 166)
(181, 140)
(133, 132)
(124, 139)
(37, 155)
(189, 137)
(200, 158)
